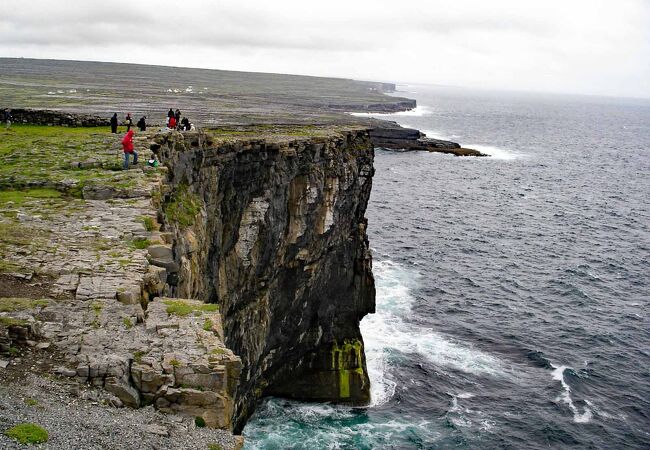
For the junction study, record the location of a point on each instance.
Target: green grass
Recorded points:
(17, 234)
(31, 402)
(199, 422)
(41, 155)
(28, 433)
(182, 207)
(207, 325)
(10, 321)
(10, 304)
(18, 197)
(182, 309)
(148, 223)
(175, 363)
(137, 356)
(140, 243)
(128, 323)
(214, 447)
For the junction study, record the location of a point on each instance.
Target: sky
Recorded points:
(599, 47)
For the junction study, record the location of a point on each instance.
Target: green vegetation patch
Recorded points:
(199, 422)
(137, 356)
(10, 321)
(214, 447)
(182, 308)
(148, 223)
(18, 197)
(182, 207)
(68, 158)
(10, 304)
(16, 234)
(140, 243)
(28, 433)
(31, 402)
(207, 325)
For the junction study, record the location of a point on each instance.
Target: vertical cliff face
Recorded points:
(274, 232)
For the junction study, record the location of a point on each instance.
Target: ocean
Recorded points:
(512, 291)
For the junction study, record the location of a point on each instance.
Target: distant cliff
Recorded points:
(279, 242)
(390, 135)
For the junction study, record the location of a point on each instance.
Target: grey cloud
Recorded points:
(593, 46)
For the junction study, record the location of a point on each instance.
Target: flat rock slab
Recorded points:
(91, 287)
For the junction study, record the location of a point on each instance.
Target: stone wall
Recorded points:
(55, 118)
(275, 233)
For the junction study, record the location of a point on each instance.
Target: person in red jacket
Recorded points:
(127, 146)
(172, 123)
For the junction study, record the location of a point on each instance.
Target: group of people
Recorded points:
(128, 122)
(174, 121)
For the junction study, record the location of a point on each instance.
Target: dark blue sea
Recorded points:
(512, 291)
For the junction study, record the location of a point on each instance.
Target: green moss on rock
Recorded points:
(28, 433)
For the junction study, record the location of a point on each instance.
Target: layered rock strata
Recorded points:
(270, 232)
(273, 231)
(84, 280)
(390, 135)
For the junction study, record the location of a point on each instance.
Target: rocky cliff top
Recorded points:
(85, 268)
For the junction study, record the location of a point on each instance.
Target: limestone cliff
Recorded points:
(273, 230)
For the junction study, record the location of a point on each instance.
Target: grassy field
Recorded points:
(61, 158)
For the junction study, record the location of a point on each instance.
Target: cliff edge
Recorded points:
(278, 240)
(239, 268)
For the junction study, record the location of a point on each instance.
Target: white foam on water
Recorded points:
(496, 152)
(437, 135)
(387, 334)
(565, 396)
(418, 111)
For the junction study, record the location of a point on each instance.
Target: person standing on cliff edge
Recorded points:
(128, 121)
(127, 146)
(114, 123)
(8, 117)
(142, 124)
(177, 116)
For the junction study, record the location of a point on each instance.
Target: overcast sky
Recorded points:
(577, 46)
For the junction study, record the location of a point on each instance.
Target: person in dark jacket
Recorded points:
(185, 124)
(129, 149)
(170, 113)
(8, 118)
(128, 121)
(142, 124)
(177, 116)
(114, 123)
